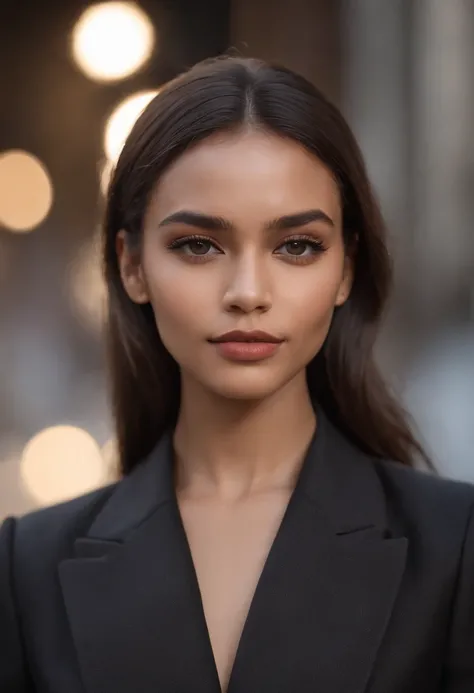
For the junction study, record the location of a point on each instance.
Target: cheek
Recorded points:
(310, 302)
(179, 299)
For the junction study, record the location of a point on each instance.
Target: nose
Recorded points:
(248, 289)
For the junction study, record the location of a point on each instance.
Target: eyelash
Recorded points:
(317, 246)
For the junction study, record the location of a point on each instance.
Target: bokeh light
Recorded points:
(112, 40)
(60, 463)
(122, 120)
(26, 191)
(106, 172)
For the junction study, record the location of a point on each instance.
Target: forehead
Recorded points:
(252, 173)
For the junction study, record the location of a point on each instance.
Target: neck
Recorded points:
(231, 448)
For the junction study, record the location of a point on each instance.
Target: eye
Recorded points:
(194, 246)
(301, 248)
(197, 247)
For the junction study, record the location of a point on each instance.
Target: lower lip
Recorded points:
(247, 351)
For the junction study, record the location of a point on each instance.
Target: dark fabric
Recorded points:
(368, 588)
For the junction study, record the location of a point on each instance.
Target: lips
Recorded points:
(252, 346)
(253, 336)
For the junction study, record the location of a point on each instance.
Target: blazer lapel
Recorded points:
(327, 591)
(318, 614)
(131, 594)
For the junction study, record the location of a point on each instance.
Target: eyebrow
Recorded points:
(216, 223)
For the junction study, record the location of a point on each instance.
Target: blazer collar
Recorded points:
(336, 476)
(320, 608)
(137, 495)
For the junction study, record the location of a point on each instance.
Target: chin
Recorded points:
(243, 388)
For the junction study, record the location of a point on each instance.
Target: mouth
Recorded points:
(255, 336)
(247, 346)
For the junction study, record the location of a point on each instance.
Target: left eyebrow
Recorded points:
(215, 223)
(292, 221)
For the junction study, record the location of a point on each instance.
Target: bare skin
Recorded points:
(229, 543)
(243, 426)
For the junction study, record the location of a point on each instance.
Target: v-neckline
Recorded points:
(328, 586)
(253, 600)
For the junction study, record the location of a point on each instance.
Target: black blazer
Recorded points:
(368, 588)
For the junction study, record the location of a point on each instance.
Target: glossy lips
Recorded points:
(246, 346)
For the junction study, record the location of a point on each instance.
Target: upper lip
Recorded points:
(252, 336)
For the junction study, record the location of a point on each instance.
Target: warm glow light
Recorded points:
(26, 192)
(106, 176)
(87, 286)
(112, 40)
(122, 121)
(61, 462)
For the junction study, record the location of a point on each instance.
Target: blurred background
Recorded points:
(75, 77)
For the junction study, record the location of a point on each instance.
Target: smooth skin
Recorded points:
(243, 232)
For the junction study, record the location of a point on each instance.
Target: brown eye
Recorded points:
(194, 247)
(296, 247)
(198, 247)
(301, 248)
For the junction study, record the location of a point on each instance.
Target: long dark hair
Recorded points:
(224, 94)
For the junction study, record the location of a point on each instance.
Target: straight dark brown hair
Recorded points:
(225, 94)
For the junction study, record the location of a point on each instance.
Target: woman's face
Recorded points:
(243, 232)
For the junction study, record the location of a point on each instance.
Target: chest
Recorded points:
(229, 545)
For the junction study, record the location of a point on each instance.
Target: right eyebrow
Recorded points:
(198, 220)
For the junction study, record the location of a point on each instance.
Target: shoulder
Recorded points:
(424, 502)
(52, 530)
(30, 550)
(435, 516)
(413, 484)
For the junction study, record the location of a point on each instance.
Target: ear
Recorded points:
(345, 287)
(131, 270)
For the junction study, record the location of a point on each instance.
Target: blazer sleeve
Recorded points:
(459, 666)
(13, 674)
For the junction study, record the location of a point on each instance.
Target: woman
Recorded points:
(268, 532)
